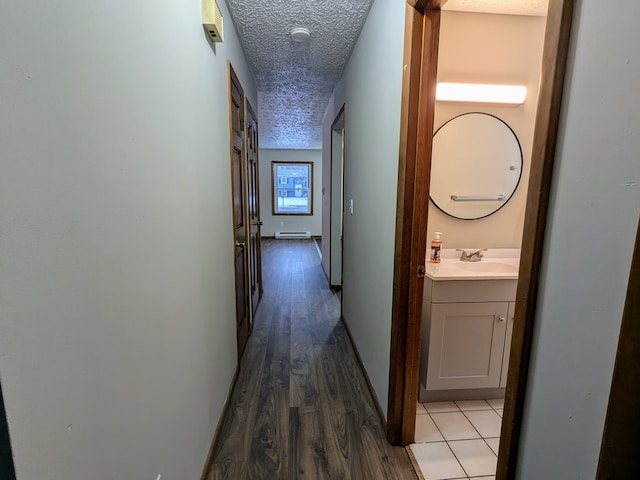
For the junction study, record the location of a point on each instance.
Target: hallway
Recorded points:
(301, 407)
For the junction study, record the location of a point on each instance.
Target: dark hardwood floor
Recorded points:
(301, 407)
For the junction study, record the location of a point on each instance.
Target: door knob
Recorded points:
(502, 319)
(240, 244)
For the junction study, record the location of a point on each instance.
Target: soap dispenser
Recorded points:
(436, 247)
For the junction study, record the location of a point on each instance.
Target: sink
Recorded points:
(488, 267)
(497, 264)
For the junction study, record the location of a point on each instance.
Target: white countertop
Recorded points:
(496, 264)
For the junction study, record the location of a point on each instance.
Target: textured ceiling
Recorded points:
(295, 80)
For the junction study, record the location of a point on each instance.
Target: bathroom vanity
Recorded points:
(467, 322)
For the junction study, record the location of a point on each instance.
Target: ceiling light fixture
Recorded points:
(475, 92)
(300, 34)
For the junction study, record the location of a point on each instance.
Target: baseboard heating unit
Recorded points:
(288, 235)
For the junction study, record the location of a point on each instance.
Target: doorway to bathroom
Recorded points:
(419, 122)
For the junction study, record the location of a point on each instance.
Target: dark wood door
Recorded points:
(619, 449)
(255, 251)
(236, 118)
(6, 459)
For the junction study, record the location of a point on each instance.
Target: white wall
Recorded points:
(274, 223)
(372, 93)
(482, 48)
(117, 333)
(592, 223)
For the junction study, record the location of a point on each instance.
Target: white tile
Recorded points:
(426, 430)
(475, 456)
(494, 443)
(473, 405)
(436, 461)
(496, 403)
(454, 426)
(487, 422)
(491, 477)
(420, 410)
(439, 407)
(499, 412)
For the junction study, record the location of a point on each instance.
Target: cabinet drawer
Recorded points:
(465, 291)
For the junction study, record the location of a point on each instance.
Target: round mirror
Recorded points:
(475, 167)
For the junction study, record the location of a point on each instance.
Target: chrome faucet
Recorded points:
(471, 256)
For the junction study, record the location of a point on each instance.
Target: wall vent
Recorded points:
(212, 20)
(284, 235)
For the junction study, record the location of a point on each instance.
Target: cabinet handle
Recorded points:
(502, 319)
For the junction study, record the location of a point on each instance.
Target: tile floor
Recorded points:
(458, 440)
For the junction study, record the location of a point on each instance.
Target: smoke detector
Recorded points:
(300, 34)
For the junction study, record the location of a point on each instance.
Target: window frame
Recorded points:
(277, 185)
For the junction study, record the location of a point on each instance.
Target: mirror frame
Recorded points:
(515, 187)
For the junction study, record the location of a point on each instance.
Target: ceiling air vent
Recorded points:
(212, 20)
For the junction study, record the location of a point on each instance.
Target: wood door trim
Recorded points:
(619, 452)
(410, 249)
(424, 5)
(336, 119)
(399, 374)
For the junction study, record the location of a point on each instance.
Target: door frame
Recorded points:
(341, 116)
(417, 128)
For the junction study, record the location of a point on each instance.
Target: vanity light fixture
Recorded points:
(477, 92)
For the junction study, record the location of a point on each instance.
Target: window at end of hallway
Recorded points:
(292, 188)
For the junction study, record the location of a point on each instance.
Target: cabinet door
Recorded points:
(466, 345)
(507, 344)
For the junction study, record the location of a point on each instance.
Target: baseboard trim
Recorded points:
(461, 394)
(216, 435)
(372, 391)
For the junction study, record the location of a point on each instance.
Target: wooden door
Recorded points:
(255, 252)
(236, 119)
(619, 449)
(6, 459)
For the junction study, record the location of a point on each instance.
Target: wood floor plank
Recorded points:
(268, 457)
(301, 407)
(313, 453)
(304, 381)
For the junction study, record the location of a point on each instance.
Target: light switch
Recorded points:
(351, 206)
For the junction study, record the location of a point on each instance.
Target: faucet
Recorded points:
(471, 256)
